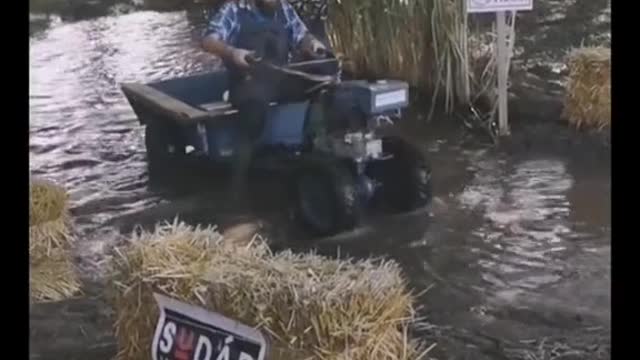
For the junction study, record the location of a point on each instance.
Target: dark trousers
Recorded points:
(251, 95)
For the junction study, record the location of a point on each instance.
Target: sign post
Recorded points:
(503, 76)
(500, 7)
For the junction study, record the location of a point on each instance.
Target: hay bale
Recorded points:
(52, 278)
(242, 234)
(312, 307)
(588, 94)
(49, 221)
(47, 201)
(47, 237)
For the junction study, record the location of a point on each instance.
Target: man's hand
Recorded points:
(228, 53)
(317, 48)
(312, 47)
(239, 57)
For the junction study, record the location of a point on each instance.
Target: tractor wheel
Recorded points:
(325, 195)
(406, 177)
(163, 147)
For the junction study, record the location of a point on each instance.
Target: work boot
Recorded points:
(239, 187)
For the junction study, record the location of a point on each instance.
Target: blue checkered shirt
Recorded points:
(224, 25)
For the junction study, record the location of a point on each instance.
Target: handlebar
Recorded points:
(321, 80)
(252, 59)
(321, 54)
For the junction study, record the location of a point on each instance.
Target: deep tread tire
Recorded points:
(334, 187)
(406, 178)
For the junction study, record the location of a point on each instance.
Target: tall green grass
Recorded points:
(424, 42)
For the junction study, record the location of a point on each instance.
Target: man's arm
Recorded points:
(218, 48)
(219, 32)
(300, 36)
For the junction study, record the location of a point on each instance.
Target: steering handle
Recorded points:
(323, 53)
(322, 80)
(252, 59)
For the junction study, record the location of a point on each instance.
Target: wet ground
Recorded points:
(515, 248)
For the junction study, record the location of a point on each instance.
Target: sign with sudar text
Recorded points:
(480, 6)
(186, 332)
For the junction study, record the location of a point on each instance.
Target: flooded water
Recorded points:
(83, 133)
(515, 248)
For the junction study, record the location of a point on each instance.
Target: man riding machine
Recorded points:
(341, 164)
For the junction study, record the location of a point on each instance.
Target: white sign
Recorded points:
(186, 332)
(482, 6)
(391, 98)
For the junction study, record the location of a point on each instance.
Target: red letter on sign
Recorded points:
(185, 343)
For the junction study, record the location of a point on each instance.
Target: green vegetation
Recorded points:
(424, 42)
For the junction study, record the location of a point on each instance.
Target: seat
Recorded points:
(219, 108)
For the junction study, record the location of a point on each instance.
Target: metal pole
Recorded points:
(502, 58)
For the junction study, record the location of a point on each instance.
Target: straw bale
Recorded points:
(310, 306)
(53, 278)
(49, 220)
(47, 201)
(49, 236)
(588, 95)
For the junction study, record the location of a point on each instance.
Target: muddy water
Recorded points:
(515, 249)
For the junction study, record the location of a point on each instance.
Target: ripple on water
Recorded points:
(521, 242)
(82, 131)
(84, 135)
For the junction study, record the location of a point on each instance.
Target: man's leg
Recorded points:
(252, 102)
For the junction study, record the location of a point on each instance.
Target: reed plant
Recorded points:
(428, 43)
(420, 41)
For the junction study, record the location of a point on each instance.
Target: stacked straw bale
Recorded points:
(310, 306)
(52, 276)
(588, 94)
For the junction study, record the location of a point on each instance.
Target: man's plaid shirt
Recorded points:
(224, 25)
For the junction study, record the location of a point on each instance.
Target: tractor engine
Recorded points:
(356, 110)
